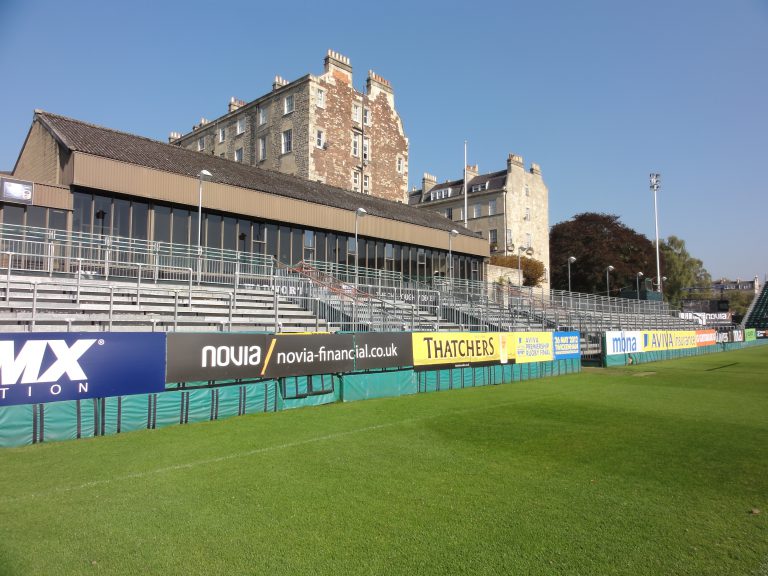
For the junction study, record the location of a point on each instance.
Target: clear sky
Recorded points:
(598, 92)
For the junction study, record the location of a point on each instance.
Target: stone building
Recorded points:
(509, 208)
(318, 128)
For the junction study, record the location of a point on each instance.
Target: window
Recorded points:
(263, 148)
(479, 187)
(527, 214)
(355, 145)
(356, 181)
(449, 213)
(320, 140)
(356, 112)
(493, 236)
(240, 126)
(366, 184)
(320, 97)
(400, 165)
(262, 116)
(239, 155)
(201, 144)
(288, 104)
(222, 135)
(287, 141)
(366, 149)
(491, 207)
(527, 190)
(367, 116)
(476, 211)
(527, 240)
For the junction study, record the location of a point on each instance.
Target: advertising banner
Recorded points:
(533, 346)
(567, 345)
(658, 340)
(305, 354)
(455, 348)
(51, 366)
(737, 336)
(383, 350)
(623, 342)
(706, 337)
(761, 333)
(218, 356)
(750, 334)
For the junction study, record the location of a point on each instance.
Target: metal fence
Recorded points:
(346, 297)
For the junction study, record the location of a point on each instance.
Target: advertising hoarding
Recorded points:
(532, 346)
(706, 337)
(623, 342)
(455, 348)
(567, 345)
(17, 191)
(51, 366)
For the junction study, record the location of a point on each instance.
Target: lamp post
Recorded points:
(203, 174)
(571, 260)
(655, 184)
(608, 281)
(451, 235)
(639, 275)
(359, 213)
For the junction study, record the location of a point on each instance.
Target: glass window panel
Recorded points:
(57, 219)
(139, 219)
(102, 215)
(342, 250)
(181, 226)
(271, 238)
(297, 240)
(13, 214)
(285, 245)
(230, 234)
(212, 234)
(162, 231)
(320, 246)
(361, 252)
(122, 218)
(379, 256)
(81, 213)
(398, 254)
(36, 216)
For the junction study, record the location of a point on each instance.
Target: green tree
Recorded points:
(685, 274)
(598, 241)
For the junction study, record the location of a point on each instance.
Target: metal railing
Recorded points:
(346, 297)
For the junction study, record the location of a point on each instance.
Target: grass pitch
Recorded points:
(652, 469)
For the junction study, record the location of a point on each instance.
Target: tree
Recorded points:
(598, 241)
(533, 270)
(683, 271)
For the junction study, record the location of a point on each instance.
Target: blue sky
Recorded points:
(598, 92)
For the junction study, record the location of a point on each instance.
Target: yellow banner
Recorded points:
(531, 346)
(655, 340)
(440, 348)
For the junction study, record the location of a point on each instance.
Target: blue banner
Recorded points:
(52, 366)
(567, 345)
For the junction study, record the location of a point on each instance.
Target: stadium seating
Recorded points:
(757, 314)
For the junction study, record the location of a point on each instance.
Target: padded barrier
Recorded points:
(31, 424)
(659, 355)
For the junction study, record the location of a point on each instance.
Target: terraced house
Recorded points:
(319, 128)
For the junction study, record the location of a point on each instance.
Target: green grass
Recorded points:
(651, 469)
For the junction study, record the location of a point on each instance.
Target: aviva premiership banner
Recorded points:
(633, 341)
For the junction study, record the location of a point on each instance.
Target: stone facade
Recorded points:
(327, 121)
(509, 208)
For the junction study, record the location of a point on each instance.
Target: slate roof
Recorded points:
(79, 136)
(496, 181)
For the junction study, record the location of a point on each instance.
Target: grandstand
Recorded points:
(58, 280)
(757, 314)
